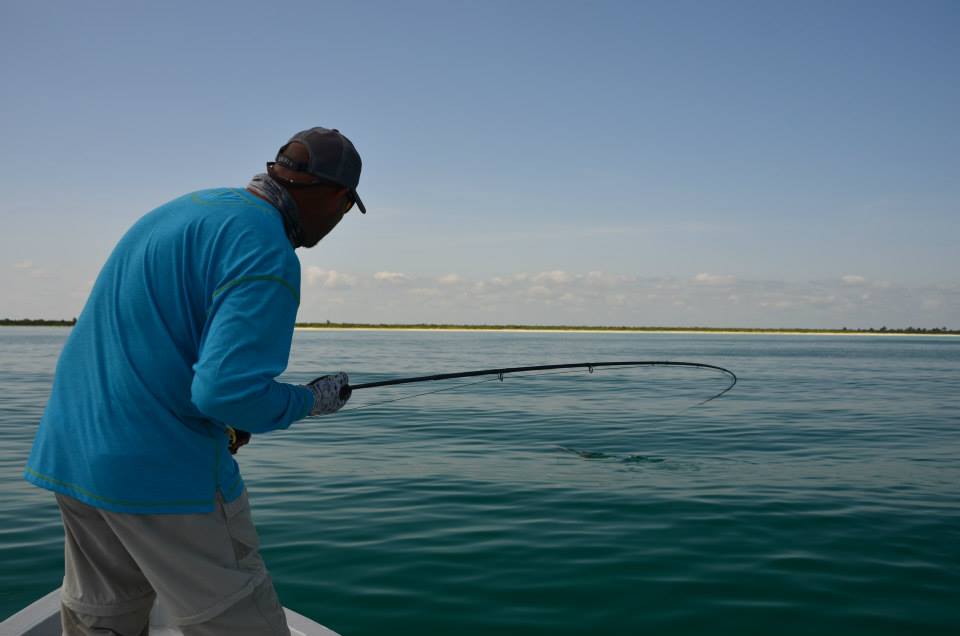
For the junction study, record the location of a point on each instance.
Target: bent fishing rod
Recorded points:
(589, 366)
(239, 438)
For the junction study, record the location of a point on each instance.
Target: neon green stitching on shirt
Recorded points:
(247, 279)
(122, 502)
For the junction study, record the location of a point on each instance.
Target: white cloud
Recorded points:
(510, 279)
(329, 278)
(28, 268)
(853, 279)
(714, 279)
(558, 296)
(556, 277)
(391, 277)
(604, 279)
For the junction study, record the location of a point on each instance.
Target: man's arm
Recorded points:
(245, 345)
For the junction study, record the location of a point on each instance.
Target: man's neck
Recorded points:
(258, 195)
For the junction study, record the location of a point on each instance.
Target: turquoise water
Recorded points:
(819, 496)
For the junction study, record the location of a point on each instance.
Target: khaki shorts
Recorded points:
(205, 568)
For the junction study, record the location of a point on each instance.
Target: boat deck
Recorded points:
(42, 618)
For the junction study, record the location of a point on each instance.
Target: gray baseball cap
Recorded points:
(332, 158)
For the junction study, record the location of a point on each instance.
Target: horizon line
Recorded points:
(426, 326)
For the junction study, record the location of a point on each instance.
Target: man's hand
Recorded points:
(330, 393)
(237, 439)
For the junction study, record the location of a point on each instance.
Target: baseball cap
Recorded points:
(332, 158)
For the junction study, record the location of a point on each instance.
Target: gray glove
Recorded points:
(330, 393)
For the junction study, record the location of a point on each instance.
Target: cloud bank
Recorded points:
(710, 299)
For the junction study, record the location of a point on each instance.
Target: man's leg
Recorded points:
(257, 614)
(104, 591)
(206, 569)
(79, 624)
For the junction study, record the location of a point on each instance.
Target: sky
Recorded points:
(753, 164)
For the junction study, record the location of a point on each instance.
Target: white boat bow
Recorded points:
(42, 618)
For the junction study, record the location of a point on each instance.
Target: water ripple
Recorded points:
(819, 496)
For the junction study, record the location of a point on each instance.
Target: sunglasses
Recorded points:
(345, 206)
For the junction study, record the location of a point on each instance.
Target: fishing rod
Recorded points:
(239, 438)
(590, 366)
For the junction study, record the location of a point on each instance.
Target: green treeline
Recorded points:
(358, 325)
(34, 322)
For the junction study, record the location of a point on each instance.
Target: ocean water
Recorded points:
(819, 496)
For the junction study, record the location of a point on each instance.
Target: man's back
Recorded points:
(187, 325)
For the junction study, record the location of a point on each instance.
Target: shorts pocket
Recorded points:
(270, 609)
(243, 534)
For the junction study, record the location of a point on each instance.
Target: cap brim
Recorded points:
(356, 198)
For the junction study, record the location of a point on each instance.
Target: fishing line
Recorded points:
(459, 386)
(554, 368)
(641, 365)
(408, 397)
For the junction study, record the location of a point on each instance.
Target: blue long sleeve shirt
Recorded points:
(187, 325)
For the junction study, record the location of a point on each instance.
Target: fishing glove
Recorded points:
(330, 393)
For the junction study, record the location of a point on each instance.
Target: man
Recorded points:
(172, 358)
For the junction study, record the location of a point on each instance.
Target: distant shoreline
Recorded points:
(638, 330)
(349, 326)
(741, 332)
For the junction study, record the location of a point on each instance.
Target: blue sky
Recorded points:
(689, 163)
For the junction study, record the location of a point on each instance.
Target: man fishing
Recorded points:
(174, 356)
